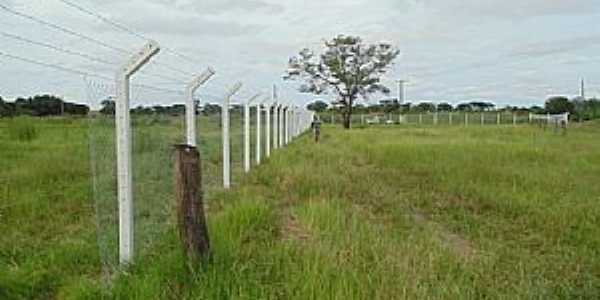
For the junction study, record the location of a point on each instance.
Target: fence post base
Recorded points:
(190, 205)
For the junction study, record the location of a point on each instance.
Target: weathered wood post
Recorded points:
(190, 205)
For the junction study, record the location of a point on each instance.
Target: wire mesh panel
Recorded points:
(209, 145)
(156, 126)
(102, 153)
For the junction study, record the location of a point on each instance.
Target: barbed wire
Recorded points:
(124, 28)
(63, 29)
(83, 36)
(81, 73)
(81, 54)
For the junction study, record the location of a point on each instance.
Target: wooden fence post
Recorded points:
(190, 204)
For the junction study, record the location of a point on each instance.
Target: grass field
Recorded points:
(376, 213)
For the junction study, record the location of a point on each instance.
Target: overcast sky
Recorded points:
(514, 52)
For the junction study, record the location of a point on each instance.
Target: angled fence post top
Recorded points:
(200, 79)
(253, 98)
(140, 58)
(190, 106)
(233, 90)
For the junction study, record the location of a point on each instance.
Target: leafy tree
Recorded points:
(210, 109)
(444, 107)
(404, 108)
(465, 107)
(5, 109)
(425, 107)
(389, 105)
(108, 107)
(4, 112)
(142, 110)
(176, 110)
(348, 67)
(482, 106)
(317, 106)
(586, 109)
(536, 109)
(559, 105)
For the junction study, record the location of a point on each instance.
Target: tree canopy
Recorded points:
(317, 106)
(348, 67)
(559, 105)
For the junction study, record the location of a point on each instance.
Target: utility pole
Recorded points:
(401, 92)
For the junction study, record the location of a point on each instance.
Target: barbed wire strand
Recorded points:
(124, 28)
(80, 54)
(82, 73)
(82, 36)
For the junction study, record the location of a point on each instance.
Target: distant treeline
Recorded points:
(48, 105)
(41, 106)
(579, 109)
(108, 108)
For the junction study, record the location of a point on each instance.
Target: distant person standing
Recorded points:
(316, 127)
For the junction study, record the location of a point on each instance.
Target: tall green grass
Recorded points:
(388, 212)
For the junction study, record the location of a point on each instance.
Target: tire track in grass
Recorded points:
(459, 245)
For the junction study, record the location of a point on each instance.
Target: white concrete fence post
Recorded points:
(280, 128)
(482, 119)
(268, 129)
(190, 105)
(286, 126)
(225, 135)
(123, 141)
(498, 119)
(247, 132)
(258, 132)
(466, 118)
(450, 118)
(275, 126)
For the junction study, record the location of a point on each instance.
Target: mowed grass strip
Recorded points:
(393, 212)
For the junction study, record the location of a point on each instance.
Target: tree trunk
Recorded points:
(348, 114)
(190, 206)
(347, 118)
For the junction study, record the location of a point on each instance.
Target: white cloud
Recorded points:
(454, 49)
